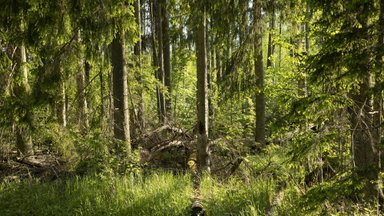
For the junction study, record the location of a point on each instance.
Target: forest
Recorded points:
(191, 107)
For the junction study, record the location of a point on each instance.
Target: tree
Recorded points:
(259, 70)
(157, 45)
(272, 24)
(166, 59)
(351, 60)
(82, 69)
(120, 96)
(22, 91)
(137, 52)
(202, 89)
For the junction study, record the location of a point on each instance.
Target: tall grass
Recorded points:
(157, 194)
(236, 197)
(160, 193)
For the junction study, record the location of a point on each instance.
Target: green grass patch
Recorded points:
(156, 194)
(236, 197)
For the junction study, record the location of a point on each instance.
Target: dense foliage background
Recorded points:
(143, 107)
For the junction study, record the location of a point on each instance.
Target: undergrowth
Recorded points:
(263, 185)
(156, 194)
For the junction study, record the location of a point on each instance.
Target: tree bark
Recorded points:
(166, 60)
(365, 140)
(259, 70)
(364, 143)
(82, 112)
(61, 108)
(103, 106)
(160, 61)
(202, 91)
(137, 52)
(24, 143)
(120, 97)
(271, 46)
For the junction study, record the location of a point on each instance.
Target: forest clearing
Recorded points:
(191, 107)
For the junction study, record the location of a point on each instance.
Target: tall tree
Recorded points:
(352, 60)
(82, 69)
(202, 89)
(120, 96)
(157, 46)
(22, 91)
(61, 104)
(259, 70)
(166, 59)
(137, 52)
(364, 140)
(272, 24)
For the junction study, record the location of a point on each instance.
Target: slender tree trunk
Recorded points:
(219, 73)
(160, 56)
(157, 46)
(82, 116)
(153, 12)
(280, 47)
(202, 92)
(24, 143)
(271, 46)
(166, 60)
(61, 107)
(120, 97)
(378, 98)
(103, 106)
(82, 112)
(259, 69)
(87, 83)
(137, 52)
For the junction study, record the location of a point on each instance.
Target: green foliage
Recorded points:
(346, 185)
(184, 85)
(236, 197)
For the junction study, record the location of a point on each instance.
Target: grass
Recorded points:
(236, 198)
(159, 193)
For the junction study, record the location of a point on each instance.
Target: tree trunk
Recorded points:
(24, 143)
(103, 106)
(259, 69)
(166, 60)
(160, 71)
(202, 92)
(82, 112)
(61, 108)
(271, 46)
(82, 115)
(120, 97)
(365, 143)
(137, 52)
(219, 73)
(378, 99)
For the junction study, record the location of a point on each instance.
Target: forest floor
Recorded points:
(38, 166)
(40, 185)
